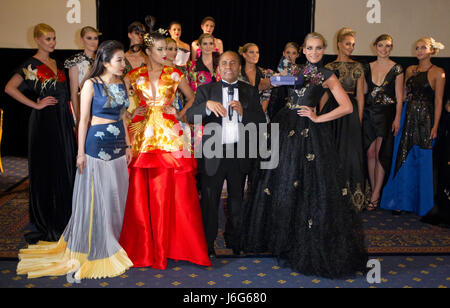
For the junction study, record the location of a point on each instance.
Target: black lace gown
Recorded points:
(300, 211)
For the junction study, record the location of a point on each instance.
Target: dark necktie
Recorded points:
(228, 85)
(231, 88)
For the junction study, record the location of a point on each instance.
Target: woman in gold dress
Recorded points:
(162, 217)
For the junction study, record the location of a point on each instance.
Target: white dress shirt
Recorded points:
(230, 129)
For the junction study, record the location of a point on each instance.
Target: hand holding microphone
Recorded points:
(230, 100)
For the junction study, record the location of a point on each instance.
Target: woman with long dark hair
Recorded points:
(51, 141)
(90, 245)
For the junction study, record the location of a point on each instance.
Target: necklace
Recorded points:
(417, 70)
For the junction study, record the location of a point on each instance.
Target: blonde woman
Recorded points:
(410, 185)
(300, 211)
(347, 130)
(382, 112)
(51, 140)
(80, 64)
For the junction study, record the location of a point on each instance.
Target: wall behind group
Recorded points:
(268, 23)
(67, 17)
(405, 20)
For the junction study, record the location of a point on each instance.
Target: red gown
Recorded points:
(162, 215)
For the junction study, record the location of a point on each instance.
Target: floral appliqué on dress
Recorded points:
(44, 75)
(312, 74)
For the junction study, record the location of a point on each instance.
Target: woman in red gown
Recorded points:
(162, 216)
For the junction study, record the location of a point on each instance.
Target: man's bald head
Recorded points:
(230, 66)
(233, 53)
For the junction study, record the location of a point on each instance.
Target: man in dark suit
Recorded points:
(226, 105)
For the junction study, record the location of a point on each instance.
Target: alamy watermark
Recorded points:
(374, 274)
(374, 14)
(75, 266)
(252, 141)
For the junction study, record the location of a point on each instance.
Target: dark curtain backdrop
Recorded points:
(268, 23)
(16, 115)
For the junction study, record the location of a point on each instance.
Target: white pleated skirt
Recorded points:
(89, 247)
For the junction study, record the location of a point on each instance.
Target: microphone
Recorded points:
(230, 99)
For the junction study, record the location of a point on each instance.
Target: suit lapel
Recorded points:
(217, 92)
(243, 95)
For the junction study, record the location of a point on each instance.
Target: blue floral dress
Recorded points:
(89, 247)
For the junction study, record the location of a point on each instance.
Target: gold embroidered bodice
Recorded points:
(157, 131)
(348, 74)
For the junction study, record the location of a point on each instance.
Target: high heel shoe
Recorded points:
(373, 205)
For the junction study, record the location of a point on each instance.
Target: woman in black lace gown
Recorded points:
(300, 211)
(347, 130)
(382, 113)
(51, 139)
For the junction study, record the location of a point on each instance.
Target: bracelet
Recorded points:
(128, 147)
(81, 155)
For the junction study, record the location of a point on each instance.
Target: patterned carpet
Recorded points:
(405, 234)
(411, 253)
(396, 272)
(15, 170)
(386, 234)
(14, 219)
